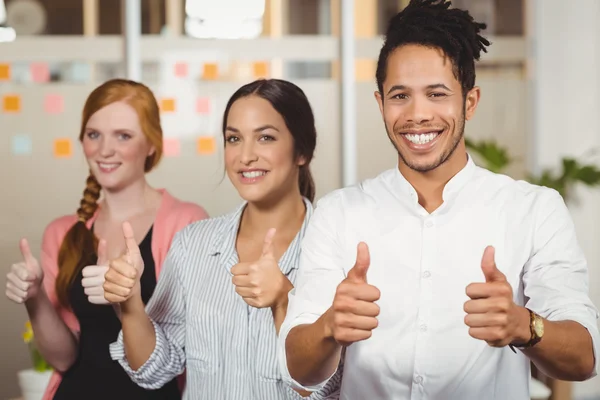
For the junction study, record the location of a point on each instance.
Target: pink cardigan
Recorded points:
(172, 216)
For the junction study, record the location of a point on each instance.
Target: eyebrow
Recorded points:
(429, 87)
(257, 130)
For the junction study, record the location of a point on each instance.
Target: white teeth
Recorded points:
(421, 138)
(108, 166)
(253, 174)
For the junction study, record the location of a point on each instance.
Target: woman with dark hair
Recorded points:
(223, 294)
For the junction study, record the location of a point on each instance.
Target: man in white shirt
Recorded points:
(430, 275)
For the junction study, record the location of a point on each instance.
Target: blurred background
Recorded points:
(537, 119)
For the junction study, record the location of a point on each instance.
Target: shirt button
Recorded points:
(426, 274)
(418, 379)
(423, 328)
(428, 224)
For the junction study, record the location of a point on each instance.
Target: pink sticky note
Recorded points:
(181, 70)
(203, 105)
(54, 104)
(40, 72)
(171, 147)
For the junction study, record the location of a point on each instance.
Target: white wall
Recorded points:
(566, 121)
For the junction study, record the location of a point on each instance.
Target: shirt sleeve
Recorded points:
(555, 279)
(319, 273)
(166, 310)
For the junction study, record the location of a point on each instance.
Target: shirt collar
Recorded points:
(224, 239)
(452, 188)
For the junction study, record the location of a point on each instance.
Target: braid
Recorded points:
(89, 202)
(432, 23)
(78, 248)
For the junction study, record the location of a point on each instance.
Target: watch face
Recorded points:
(538, 326)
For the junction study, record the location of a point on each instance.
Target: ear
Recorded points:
(471, 102)
(379, 99)
(301, 161)
(151, 151)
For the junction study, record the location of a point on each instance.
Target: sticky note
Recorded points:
(260, 70)
(40, 72)
(167, 105)
(54, 104)
(203, 105)
(21, 145)
(11, 103)
(181, 70)
(206, 145)
(62, 148)
(171, 147)
(80, 72)
(4, 72)
(210, 71)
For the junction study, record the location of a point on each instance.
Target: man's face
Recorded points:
(423, 107)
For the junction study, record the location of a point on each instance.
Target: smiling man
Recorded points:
(439, 279)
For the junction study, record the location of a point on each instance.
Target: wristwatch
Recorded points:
(536, 326)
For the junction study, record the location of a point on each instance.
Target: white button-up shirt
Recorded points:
(422, 264)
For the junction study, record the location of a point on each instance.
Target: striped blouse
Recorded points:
(228, 348)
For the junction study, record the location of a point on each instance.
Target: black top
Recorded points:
(94, 375)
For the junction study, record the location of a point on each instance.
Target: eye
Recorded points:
(92, 134)
(232, 139)
(266, 138)
(438, 95)
(124, 136)
(400, 96)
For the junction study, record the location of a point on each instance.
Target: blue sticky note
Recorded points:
(80, 72)
(21, 145)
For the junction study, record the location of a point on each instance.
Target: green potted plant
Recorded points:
(33, 381)
(571, 171)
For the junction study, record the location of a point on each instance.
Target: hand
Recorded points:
(24, 281)
(262, 284)
(93, 276)
(354, 312)
(122, 280)
(492, 314)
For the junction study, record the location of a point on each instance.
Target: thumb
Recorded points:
(358, 273)
(102, 253)
(133, 250)
(488, 266)
(26, 252)
(267, 251)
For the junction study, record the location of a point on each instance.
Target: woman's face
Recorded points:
(259, 151)
(115, 146)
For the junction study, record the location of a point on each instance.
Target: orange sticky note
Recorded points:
(54, 104)
(260, 70)
(206, 145)
(203, 105)
(4, 72)
(62, 148)
(167, 105)
(11, 103)
(210, 71)
(181, 70)
(171, 147)
(40, 72)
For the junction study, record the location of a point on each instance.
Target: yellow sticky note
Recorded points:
(4, 72)
(62, 148)
(11, 103)
(167, 105)
(206, 145)
(260, 70)
(210, 71)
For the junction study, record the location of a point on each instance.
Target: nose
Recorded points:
(107, 147)
(248, 155)
(419, 111)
